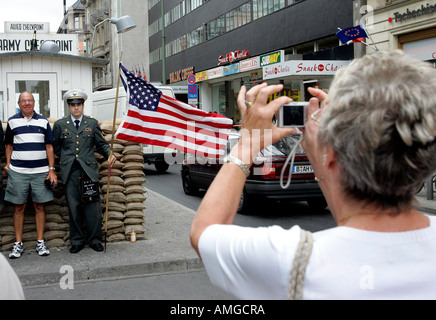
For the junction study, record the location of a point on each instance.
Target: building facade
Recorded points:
(229, 43)
(407, 25)
(130, 48)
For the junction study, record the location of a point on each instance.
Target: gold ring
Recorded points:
(248, 104)
(313, 115)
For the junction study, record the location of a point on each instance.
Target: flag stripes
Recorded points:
(156, 119)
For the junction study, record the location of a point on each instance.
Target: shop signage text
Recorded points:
(232, 69)
(201, 76)
(215, 73)
(232, 57)
(316, 67)
(410, 14)
(303, 67)
(271, 58)
(249, 64)
(181, 75)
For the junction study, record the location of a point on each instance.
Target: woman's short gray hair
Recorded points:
(380, 119)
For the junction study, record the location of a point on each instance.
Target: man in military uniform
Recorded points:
(74, 139)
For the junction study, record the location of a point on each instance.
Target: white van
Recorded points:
(103, 109)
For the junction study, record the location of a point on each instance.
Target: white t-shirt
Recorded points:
(10, 285)
(346, 263)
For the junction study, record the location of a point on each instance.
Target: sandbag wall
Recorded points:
(127, 195)
(125, 207)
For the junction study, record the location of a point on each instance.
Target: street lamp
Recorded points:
(123, 24)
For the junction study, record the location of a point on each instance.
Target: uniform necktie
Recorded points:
(77, 124)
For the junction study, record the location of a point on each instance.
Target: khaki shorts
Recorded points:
(19, 185)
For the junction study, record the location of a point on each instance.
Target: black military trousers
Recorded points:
(90, 213)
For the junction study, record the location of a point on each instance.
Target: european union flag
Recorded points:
(350, 34)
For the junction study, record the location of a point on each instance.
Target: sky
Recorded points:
(51, 11)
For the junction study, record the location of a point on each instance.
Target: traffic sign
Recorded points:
(192, 91)
(191, 79)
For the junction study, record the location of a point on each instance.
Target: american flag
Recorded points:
(156, 119)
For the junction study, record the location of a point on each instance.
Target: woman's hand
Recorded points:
(258, 130)
(310, 130)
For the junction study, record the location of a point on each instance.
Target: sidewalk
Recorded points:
(167, 249)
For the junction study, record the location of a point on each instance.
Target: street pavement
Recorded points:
(167, 249)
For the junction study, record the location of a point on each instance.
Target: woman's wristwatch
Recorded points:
(238, 162)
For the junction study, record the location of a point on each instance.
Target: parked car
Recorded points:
(264, 179)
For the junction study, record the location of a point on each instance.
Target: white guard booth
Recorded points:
(48, 76)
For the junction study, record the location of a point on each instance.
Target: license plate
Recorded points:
(302, 169)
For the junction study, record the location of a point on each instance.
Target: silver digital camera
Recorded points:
(293, 114)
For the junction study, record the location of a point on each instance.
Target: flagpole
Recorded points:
(374, 46)
(110, 155)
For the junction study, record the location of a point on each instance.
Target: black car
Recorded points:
(264, 179)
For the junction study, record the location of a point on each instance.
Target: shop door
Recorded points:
(43, 86)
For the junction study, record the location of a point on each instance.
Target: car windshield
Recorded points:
(282, 147)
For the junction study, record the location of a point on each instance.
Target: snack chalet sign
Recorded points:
(232, 57)
(303, 67)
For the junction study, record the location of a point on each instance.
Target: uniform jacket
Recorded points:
(71, 144)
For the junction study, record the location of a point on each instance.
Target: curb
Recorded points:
(167, 249)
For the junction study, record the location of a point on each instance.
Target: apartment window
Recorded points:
(76, 23)
(262, 8)
(195, 37)
(155, 55)
(238, 17)
(304, 48)
(215, 28)
(155, 27)
(152, 3)
(328, 42)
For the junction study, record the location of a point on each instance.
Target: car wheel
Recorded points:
(161, 167)
(243, 202)
(318, 203)
(189, 187)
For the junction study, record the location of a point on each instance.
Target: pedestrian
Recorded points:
(11, 288)
(372, 143)
(30, 166)
(74, 139)
(2, 153)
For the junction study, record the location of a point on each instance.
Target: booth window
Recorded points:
(40, 91)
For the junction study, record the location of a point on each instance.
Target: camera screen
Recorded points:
(293, 115)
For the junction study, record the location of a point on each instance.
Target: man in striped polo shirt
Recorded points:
(29, 162)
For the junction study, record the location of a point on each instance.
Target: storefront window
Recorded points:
(219, 98)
